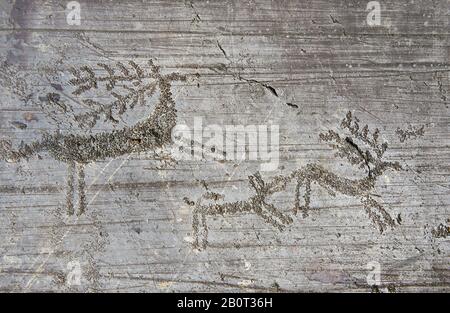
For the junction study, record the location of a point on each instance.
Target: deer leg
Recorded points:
(200, 230)
(70, 187)
(81, 189)
(268, 218)
(297, 196)
(284, 219)
(307, 197)
(204, 231)
(195, 226)
(378, 215)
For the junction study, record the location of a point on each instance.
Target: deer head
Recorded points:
(367, 155)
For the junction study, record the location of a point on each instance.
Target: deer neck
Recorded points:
(368, 182)
(163, 117)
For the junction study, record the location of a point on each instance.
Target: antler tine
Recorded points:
(155, 69)
(329, 136)
(137, 69)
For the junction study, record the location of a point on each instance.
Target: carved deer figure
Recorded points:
(359, 188)
(306, 176)
(77, 150)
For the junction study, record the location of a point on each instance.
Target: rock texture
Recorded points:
(95, 198)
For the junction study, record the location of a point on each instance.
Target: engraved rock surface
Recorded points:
(93, 195)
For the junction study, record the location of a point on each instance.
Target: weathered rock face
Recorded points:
(226, 146)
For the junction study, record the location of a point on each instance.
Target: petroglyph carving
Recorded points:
(257, 204)
(410, 133)
(154, 132)
(305, 177)
(150, 134)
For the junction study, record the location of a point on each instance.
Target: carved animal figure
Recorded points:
(259, 204)
(78, 150)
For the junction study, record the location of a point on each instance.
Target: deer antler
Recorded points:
(86, 79)
(347, 148)
(136, 91)
(364, 134)
(128, 84)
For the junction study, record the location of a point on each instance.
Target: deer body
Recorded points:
(78, 150)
